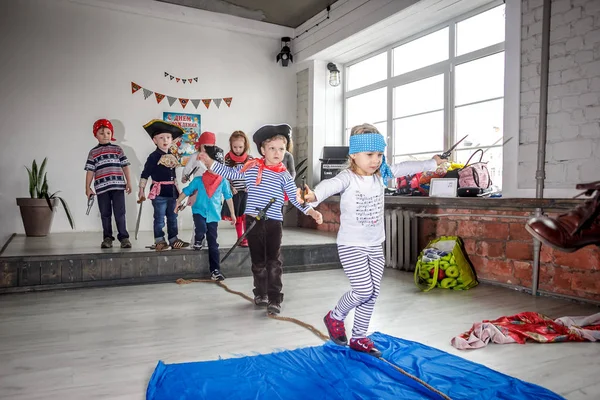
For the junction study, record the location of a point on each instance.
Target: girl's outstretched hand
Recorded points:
(309, 195)
(317, 216)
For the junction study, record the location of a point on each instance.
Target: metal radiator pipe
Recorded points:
(540, 174)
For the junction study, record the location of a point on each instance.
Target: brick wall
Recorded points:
(500, 249)
(573, 142)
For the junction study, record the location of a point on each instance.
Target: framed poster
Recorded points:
(185, 146)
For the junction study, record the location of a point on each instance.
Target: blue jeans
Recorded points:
(210, 230)
(165, 206)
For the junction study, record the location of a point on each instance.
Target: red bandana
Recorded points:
(236, 158)
(211, 182)
(260, 163)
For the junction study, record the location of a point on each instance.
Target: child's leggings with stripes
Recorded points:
(364, 268)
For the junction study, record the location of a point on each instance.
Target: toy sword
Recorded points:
(90, 203)
(191, 173)
(262, 214)
(139, 217)
(448, 152)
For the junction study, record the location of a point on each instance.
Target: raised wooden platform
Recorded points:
(73, 260)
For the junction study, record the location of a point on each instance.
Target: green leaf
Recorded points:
(301, 163)
(49, 201)
(68, 211)
(40, 182)
(31, 186)
(44, 188)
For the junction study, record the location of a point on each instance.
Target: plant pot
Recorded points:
(37, 216)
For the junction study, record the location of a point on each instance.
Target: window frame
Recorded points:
(445, 67)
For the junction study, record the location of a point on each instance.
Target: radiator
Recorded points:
(401, 238)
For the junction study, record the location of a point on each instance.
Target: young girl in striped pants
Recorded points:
(361, 232)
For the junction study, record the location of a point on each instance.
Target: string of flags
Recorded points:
(184, 80)
(184, 102)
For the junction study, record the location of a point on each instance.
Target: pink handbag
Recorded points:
(475, 175)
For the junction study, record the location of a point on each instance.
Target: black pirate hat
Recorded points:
(157, 126)
(266, 132)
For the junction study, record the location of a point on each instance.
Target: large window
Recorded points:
(430, 91)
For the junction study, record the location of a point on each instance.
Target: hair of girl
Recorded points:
(360, 130)
(236, 136)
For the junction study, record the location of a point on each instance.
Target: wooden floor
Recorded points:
(104, 343)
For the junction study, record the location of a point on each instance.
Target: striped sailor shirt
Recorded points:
(272, 185)
(106, 161)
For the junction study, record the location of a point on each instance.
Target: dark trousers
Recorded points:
(165, 206)
(201, 228)
(264, 242)
(111, 202)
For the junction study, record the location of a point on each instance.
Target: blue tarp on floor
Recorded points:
(334, 372)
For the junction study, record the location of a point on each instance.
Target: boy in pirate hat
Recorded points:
(108, 167)
(211, 189)
(266, 179)
(160, 166)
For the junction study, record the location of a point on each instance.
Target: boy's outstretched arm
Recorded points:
(223, 170)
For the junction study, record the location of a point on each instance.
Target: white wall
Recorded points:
(68, 63)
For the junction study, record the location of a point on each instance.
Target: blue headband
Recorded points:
(368, 142)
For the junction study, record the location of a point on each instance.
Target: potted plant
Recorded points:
(37, 211)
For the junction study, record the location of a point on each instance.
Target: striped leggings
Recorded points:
(364, 268)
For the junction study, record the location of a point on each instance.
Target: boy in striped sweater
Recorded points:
(266, 178)
(108, 167)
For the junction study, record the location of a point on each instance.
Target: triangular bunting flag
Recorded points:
(228, 101)
(177, 79)
(171, 76)
(196, 102)
(206, 102)
(171, 100)
(196, 79)
(190, 80)
(166, 74)
(184, 80)
(217, 102)
(184, 102)
(147, 93)
(135, 87)
(159, 97)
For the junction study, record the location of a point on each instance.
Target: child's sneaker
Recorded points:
(336, 329)
(261, 301)
(106, 243)
(216, 275)
(274, 307)
(197, 246)
(364, 345)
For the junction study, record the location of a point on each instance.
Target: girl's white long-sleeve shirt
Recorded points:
(362, 202)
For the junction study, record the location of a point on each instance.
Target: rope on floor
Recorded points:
(311, 328)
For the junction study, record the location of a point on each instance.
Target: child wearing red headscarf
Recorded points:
(239, 146)
(108, 167)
